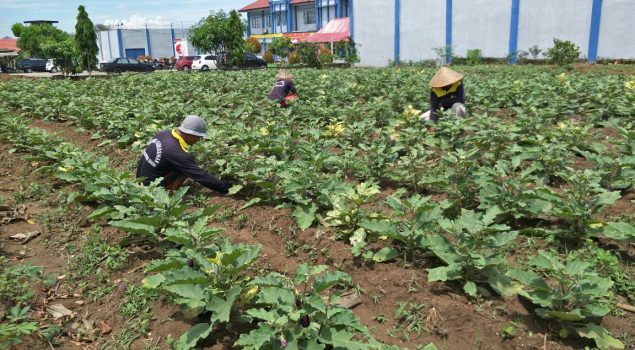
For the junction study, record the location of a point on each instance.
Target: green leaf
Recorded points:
(234, 189)
(621, 231)
(607, 198)
(97, 213)
(573, 315)
(221, 307)
(341, 339)
(262, 314)
(187, 291)
(136, 228)
(327, 280)
(153, 281)
(258, 338)
(252, 202)
(470, 289)
(444, 273)
(601, 336)
(195, 334)
(430, 346)
(385, 254)
(305, 215)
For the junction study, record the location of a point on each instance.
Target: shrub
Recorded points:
(563, 53)
(474, 56)
(294, 58)
(281, 46)
(308, 54)
(534, 51)
(252, 45)
(268, 57)
(325, 55)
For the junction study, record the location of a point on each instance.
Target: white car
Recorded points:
(204, 63)
(50, 66)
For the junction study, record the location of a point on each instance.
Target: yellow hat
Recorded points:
(283, 74)
(444, 77)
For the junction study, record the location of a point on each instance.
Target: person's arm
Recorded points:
(186, 165)
(292, 87)
(434, 105)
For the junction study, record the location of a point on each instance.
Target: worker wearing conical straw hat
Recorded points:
(446, 92)
(284, 89)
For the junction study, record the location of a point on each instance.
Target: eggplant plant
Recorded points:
(570, 291)
(293, 313)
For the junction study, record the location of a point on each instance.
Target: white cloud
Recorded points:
(137, 21)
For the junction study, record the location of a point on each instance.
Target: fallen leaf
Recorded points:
(30, 222)
(25, 237)
(104, 328)
(59, 310)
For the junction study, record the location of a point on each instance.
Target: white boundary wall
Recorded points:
(486, 24)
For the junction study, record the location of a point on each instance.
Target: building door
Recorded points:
(134, 53)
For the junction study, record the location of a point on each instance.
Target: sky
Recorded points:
(135, 13)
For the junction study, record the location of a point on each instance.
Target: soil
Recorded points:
(453, 321)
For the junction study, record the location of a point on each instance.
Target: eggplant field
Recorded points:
(350, 223)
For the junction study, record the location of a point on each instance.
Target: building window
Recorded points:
(281, 19)
(267, 21)
(256, 22)
(309, 17)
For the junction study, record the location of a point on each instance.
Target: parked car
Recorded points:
(50, 66)
(204, 63)
(250, 61)
(32, 65)
(123, 64)
(185, 62)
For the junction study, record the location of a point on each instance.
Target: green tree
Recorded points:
(86, 41)
(235, 43)
(281, 47)
(220, 32)
(252, 45)
(64, 54)
(31, 38)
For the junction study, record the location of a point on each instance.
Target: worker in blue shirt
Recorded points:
(167, 156)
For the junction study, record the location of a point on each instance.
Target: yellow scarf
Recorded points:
(440, 92)
(182, 142)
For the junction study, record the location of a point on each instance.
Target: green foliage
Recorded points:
(252, 45)
(473, 56)
(268, 57)
(220, 32)
(348, 50)
(569, 290)
(281, 46)
(290, 312)
(65, 55)
(15, 281)
(85, 41)
(564, 53)
(325, 55)
(16, 325)
(31, 38)
(308, 54)
(474, 250)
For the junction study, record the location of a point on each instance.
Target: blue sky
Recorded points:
(133, 13)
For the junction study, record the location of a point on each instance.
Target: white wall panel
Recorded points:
(482, 24)
(374, 31)
(540, 21)
(422, 28)
(617, 29)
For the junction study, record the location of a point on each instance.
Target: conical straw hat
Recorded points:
(444, 77)
(283, 74)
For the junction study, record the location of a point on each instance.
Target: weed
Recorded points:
(380, 318)
(242, 221)
(291, 247)
(95, 255)
(31, 192)
(410, 318)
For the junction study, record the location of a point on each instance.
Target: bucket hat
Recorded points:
(283, 74)
(444, 77)
(193, 125)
